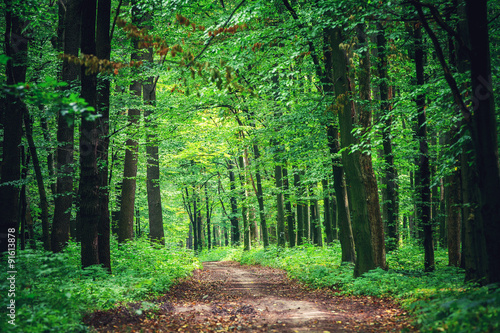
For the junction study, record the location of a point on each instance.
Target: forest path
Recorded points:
(228, 297)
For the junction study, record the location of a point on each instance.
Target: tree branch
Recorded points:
(457, 96)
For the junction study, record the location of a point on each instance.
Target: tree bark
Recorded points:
(474, 247)
(343, 213)
(290, 216)
(16, 47)
(156, 232)
(327, 211)
(280, 218)
(390, 195)
(44, 207)
(365, 256)
(63, 197)
(89, 173)
(244, 207)
(129, 183)
(260, 197)
(300, 206)
(209, 239)
(103, 51)
(484, 134)
(424, 173)
(369, 180)
(235, 230)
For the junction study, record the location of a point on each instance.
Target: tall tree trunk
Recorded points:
(129, 183)
(327, 211)
(235, 229)
(103, 51)
(453, 216)
(23, 202)
(290, 216)
(89, 173)
(343, 213)
(16, 47)
(280, 218)
(365, 256)
(316, 233)
(390, 197)
(260, 197)
(199, 224)
(209, 239)
(369, 180)
(69, 39)
(44, 207)
(485, 132)
(244, 206)
(156, 232)
(300, 206)
(474, 247)
(424, 173)
(196, 240)
(63, 197)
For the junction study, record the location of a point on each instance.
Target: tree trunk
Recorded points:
(260, 197)
(244, 207)
(485, 132)
(390, 197)
(474, 247)
(290, 216)
(300, 207)
(280, 218)
(63, 197)
(44, 207)
(365, 256)
(327, 211)
(369, 180)
(424, 173)
(235, 229)
(343, 213)
(16, 46)
(129, 183)
(453, 218)
(209, 239)
(89, 173)
(103, 51)
(156, 232)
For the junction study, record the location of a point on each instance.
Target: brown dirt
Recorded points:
(227, 297)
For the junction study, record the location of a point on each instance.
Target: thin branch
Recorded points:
(213, 36)
(114, 20)
(447, 73)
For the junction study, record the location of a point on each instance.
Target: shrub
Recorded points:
(53, 292)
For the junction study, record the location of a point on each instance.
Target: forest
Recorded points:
(173, 165)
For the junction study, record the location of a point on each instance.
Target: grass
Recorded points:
(53, 293)
(439, 301)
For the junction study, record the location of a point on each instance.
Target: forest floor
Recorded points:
(228, 297)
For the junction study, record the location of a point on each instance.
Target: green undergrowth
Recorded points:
(439, 301)
(52, 292)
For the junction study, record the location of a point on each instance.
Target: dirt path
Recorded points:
(227, 297)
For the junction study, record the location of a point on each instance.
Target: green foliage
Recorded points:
(440, 301)
(221, 254)
(53, 292)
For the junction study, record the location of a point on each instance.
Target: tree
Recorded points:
(359, 188)
(65, 132)
(89, 174)
(424, 173)
(390, 194)
(16, 47)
